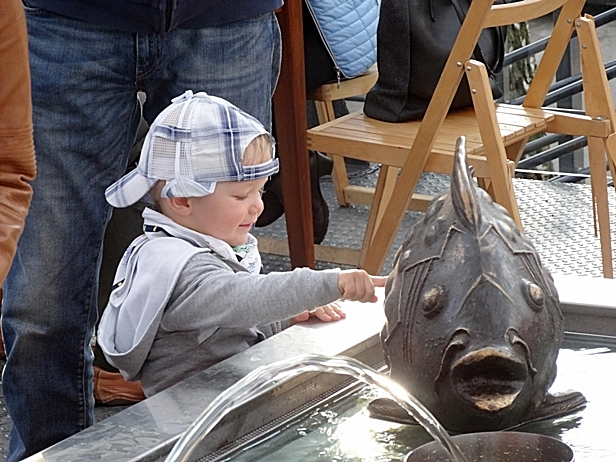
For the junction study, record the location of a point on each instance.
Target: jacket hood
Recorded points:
(144, 281)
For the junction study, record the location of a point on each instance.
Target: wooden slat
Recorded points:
(363, 195)
(356, 135)
(333, 91)
(502, 15)
(527, 111)
(360, 126)
(338, 255)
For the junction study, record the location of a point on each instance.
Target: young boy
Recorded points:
(189, 292)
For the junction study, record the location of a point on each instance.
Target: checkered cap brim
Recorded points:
(194, 143)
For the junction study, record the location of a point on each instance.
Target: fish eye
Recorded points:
(433, 300)
(533, 294)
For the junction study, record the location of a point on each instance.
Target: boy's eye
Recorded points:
(243, 197)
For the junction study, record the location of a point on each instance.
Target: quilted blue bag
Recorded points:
(348, 29)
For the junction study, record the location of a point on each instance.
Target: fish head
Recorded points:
(473, 319)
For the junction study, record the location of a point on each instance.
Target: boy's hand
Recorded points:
(357, 285)
(326, 313)
(329, 312)
(302, 317)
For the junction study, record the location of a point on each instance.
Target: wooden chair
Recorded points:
(324, 97)
(496, 133)
(346, 194)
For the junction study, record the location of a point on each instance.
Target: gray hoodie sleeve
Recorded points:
(210, 294)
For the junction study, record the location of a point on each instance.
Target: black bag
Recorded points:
(414, 39)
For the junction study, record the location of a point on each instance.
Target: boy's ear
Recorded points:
(180, 205)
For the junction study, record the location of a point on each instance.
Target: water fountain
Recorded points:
(493, 446)
(340, 430)
(259, 430)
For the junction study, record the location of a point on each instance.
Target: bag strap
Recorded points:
(477, 54)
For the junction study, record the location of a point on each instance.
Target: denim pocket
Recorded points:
(34, 10)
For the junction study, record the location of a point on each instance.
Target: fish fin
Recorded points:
(559, 404)
(556, 405)
(387, 409)
(463, 194)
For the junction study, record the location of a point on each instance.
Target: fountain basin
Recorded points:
(498, 447)
(148, 430)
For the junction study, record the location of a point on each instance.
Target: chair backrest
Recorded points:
(557, 45)
(483, 14)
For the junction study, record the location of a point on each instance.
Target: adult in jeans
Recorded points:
(17, 166)
(88, 61)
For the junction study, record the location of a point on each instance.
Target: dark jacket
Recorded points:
(156, 16)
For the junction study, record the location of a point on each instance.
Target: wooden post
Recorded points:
(291, 126)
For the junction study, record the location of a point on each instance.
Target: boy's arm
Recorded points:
(210, 294)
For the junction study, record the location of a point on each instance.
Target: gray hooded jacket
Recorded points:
(182, 302)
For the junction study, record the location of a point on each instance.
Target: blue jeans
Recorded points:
(85, 81)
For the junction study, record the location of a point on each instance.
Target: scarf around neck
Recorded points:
(157, 225)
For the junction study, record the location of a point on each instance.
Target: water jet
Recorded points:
(319, 415)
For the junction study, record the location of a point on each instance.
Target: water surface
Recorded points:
(342, 430)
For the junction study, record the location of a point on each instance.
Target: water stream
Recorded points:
(266, 377)
(339, 428)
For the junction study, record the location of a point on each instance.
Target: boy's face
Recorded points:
(230, 212)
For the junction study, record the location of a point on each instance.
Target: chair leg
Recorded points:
(325, 113)
(599, 103)
(382, 195)
(494, 149)
(610, 148)
(596, 154)
(391, 214)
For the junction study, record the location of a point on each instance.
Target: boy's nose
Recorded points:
(257, 207)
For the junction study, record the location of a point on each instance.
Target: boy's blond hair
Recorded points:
(258, 151)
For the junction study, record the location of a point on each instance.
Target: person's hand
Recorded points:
(326, 313)
(357, 285)
(302, 317)
(329, 312)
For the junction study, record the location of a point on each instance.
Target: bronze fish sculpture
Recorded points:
(473, 323)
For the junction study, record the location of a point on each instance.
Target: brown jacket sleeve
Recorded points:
(17, 164)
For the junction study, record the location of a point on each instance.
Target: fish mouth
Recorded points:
(490, 379)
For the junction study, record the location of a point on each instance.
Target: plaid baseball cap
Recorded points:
(194, 143)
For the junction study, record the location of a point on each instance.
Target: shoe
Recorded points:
(273, 205)
(320, 211)
(111, 389)
(272, 202)
(325, 165)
